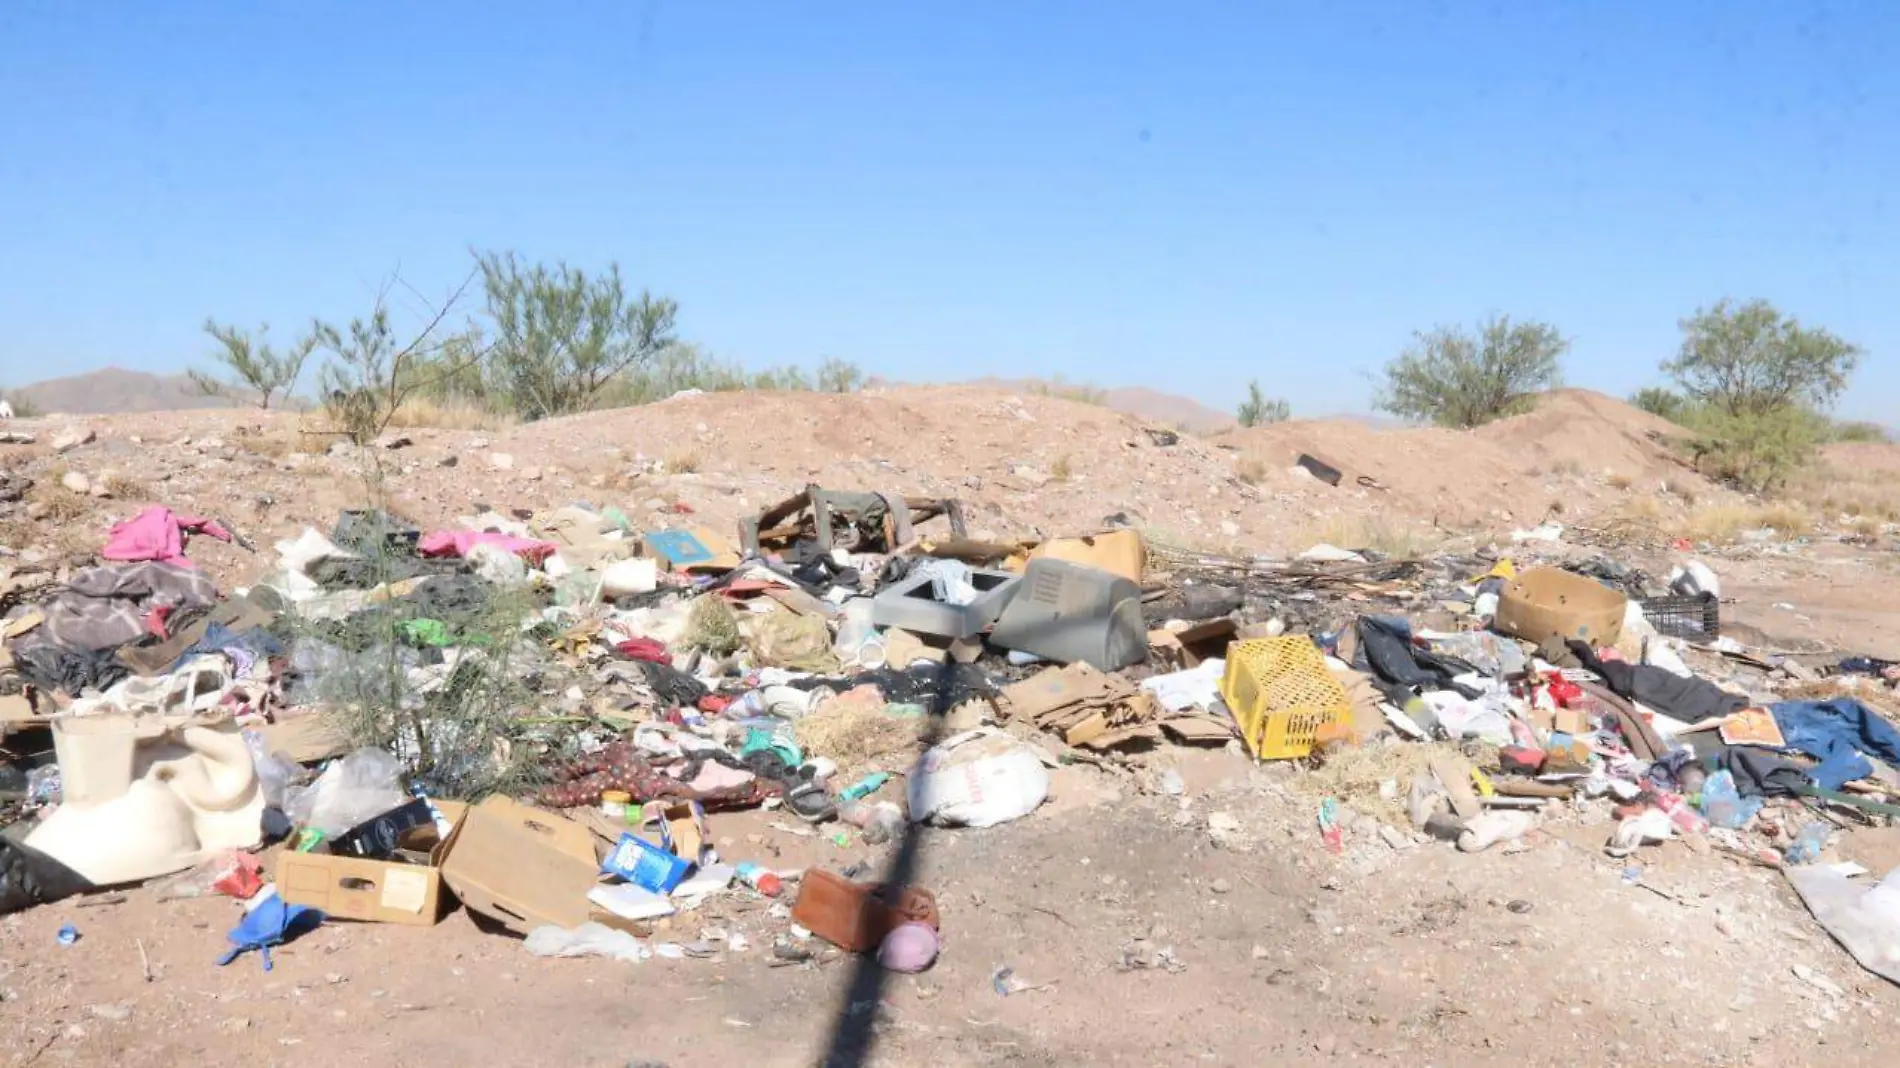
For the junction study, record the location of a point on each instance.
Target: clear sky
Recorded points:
(1181, 195)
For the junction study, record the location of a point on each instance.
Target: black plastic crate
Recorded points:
(1695, 618)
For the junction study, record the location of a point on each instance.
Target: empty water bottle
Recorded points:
(1808, 844)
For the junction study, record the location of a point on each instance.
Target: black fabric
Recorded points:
(938, 687)
(672, 685)
(1689, 700)
(1386, 650)
(53, 667)
(1759, 773)
(29, 877)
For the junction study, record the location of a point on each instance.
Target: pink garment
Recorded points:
(157, 534)
(459, 542)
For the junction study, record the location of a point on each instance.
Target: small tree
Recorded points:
(1749, 359)
(1656, 400)
(562, 335)
(1259, 409)
(368, 377)
(1452, 378)
(839, 376)
(252, 364)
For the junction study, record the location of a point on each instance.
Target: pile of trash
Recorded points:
(542, 716)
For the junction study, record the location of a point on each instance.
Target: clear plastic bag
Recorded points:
(361, 786)
(274, 773)
(587, 940)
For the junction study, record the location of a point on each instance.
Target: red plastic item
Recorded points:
(1567, 694)
(643, 649)
(241, 878)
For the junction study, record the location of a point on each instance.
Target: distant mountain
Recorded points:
(1166, 409)
(115, 389)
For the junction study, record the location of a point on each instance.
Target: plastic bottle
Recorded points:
(865, 787)
(1682, 814)
(1808, 844)
(760, 879)
(879, 821)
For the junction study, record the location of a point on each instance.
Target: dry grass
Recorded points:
(126, 488)
(1354, 776)
(1786, 519)
(61, 504)
(854, 730)
(1062, 469)
(1566, 466)
(75, 542)
(682, 461)
(1642, 511)
(1865, 526)
(1680, 489)
(1620, 481)
(1364, 532)
(17, 533)
(1848, 492)
(423, 412)
(1250, 469)
(1721, 524)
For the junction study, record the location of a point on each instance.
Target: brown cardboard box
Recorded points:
(1547, 606)
(521, 866)
(375, 891)
(1118, 552)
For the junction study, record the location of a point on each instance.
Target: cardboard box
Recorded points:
(347, 888)
(1548, 607)
(1119, 552)
(521, 866)
(374, 891)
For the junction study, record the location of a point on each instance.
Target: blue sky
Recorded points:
(1177, 195)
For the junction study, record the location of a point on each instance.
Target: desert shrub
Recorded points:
(1259, 409)
(251, 365)
(1454, 378)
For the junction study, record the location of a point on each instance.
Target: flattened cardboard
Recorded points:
(521, 866)
(305, 739)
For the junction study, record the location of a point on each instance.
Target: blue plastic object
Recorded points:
(68, 935)
(679, 547)
(1724, 805)
(645, 865)
(272, 923)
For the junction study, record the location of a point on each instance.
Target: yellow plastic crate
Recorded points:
(1281, 695)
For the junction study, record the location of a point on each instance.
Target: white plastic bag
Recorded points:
(1864, 920)
(977, 779)
(587, 940)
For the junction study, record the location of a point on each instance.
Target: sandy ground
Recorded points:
(1277, 950)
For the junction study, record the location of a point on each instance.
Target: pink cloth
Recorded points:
(157, 534)
(459, 542)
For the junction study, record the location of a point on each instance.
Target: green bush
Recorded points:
(1259, 409)
(1452, 377)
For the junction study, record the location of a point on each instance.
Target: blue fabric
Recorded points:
(1841, 733)
(219, 638)
(271, 923)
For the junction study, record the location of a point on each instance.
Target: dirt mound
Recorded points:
(1023, 464)
(1576, 447)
